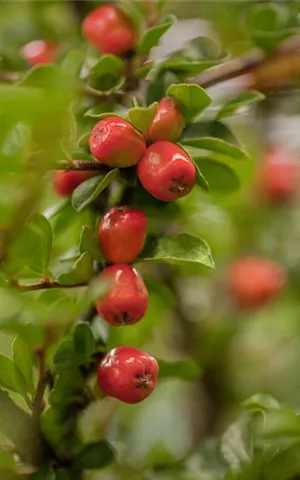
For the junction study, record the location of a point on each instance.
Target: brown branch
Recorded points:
(45, 285)
(253, 63)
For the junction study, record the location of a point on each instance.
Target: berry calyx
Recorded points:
(278, 176)
(166, 171)
(116, 143)
(109, 30)
(127, 299)
(168, 122)
(122, 234)
(39, 51)
(254, 281)
(128, 374)
(65, 181)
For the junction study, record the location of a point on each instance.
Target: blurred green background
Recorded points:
(191, 316)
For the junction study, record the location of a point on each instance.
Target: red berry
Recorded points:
(109, 31)
(166, 171)
(168, 122)
(116, 143)
(38, 51)
(254, 281)
(127, 299)
(128, 374)
(122, 234)
(278, 176)
(65, 181)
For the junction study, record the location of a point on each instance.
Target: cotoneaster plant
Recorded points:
(135, 150)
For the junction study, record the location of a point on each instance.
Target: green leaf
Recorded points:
(216, 145)
(261, 402)
(14, 148)
(153, 34)
(66, 358)
(108, 65)
(185, 370)
(177, 250)
(221, 178)
(81, 271)
(83, 140)
(95, 456)
(42, 228)
(10, 376)
(83, 340)
(72, 64)
(209, 129)
(142, 117)
(192, 99)
(89, 190)
(44, 473)
(42, 76)
(106, 74)
(200, 179)
(186, 67)
(269, 25)
(7, 460)
(23, 359)
(89, 244)
(242, 100)
(99, 110)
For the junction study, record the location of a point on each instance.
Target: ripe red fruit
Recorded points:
(39, 51)
(278, 176)
(65, 181)
(122, 234)
(253, 281)
(116, 143)
(109, 30)
(166, 171)
(168, 122)
(127, 299)
(128, 374)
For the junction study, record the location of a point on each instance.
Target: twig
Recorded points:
(45, 285)
(249, 63)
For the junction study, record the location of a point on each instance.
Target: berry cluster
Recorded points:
(165, 171)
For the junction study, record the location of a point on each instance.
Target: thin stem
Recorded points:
(253, 63)
(45, 285)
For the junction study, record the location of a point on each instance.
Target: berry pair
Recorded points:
(164, 169)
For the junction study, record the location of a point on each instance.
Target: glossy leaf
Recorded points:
(10, 376)
(221, 178)
(81, 271)
(42, 76)
(42, 228)
(186, 67)
(177, 250)
(95, 456)
(67, 358)
(83, 340)
(243, 100)
(99, 110)
(142, 117)
(23, 359)
(153, 34)
(192, 99)
(88, 243)
(216, 145)
(89, 190)
(108, 65)
(185, 370)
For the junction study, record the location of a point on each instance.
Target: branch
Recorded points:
(45, 285)
(253, 63)
(81, 165)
